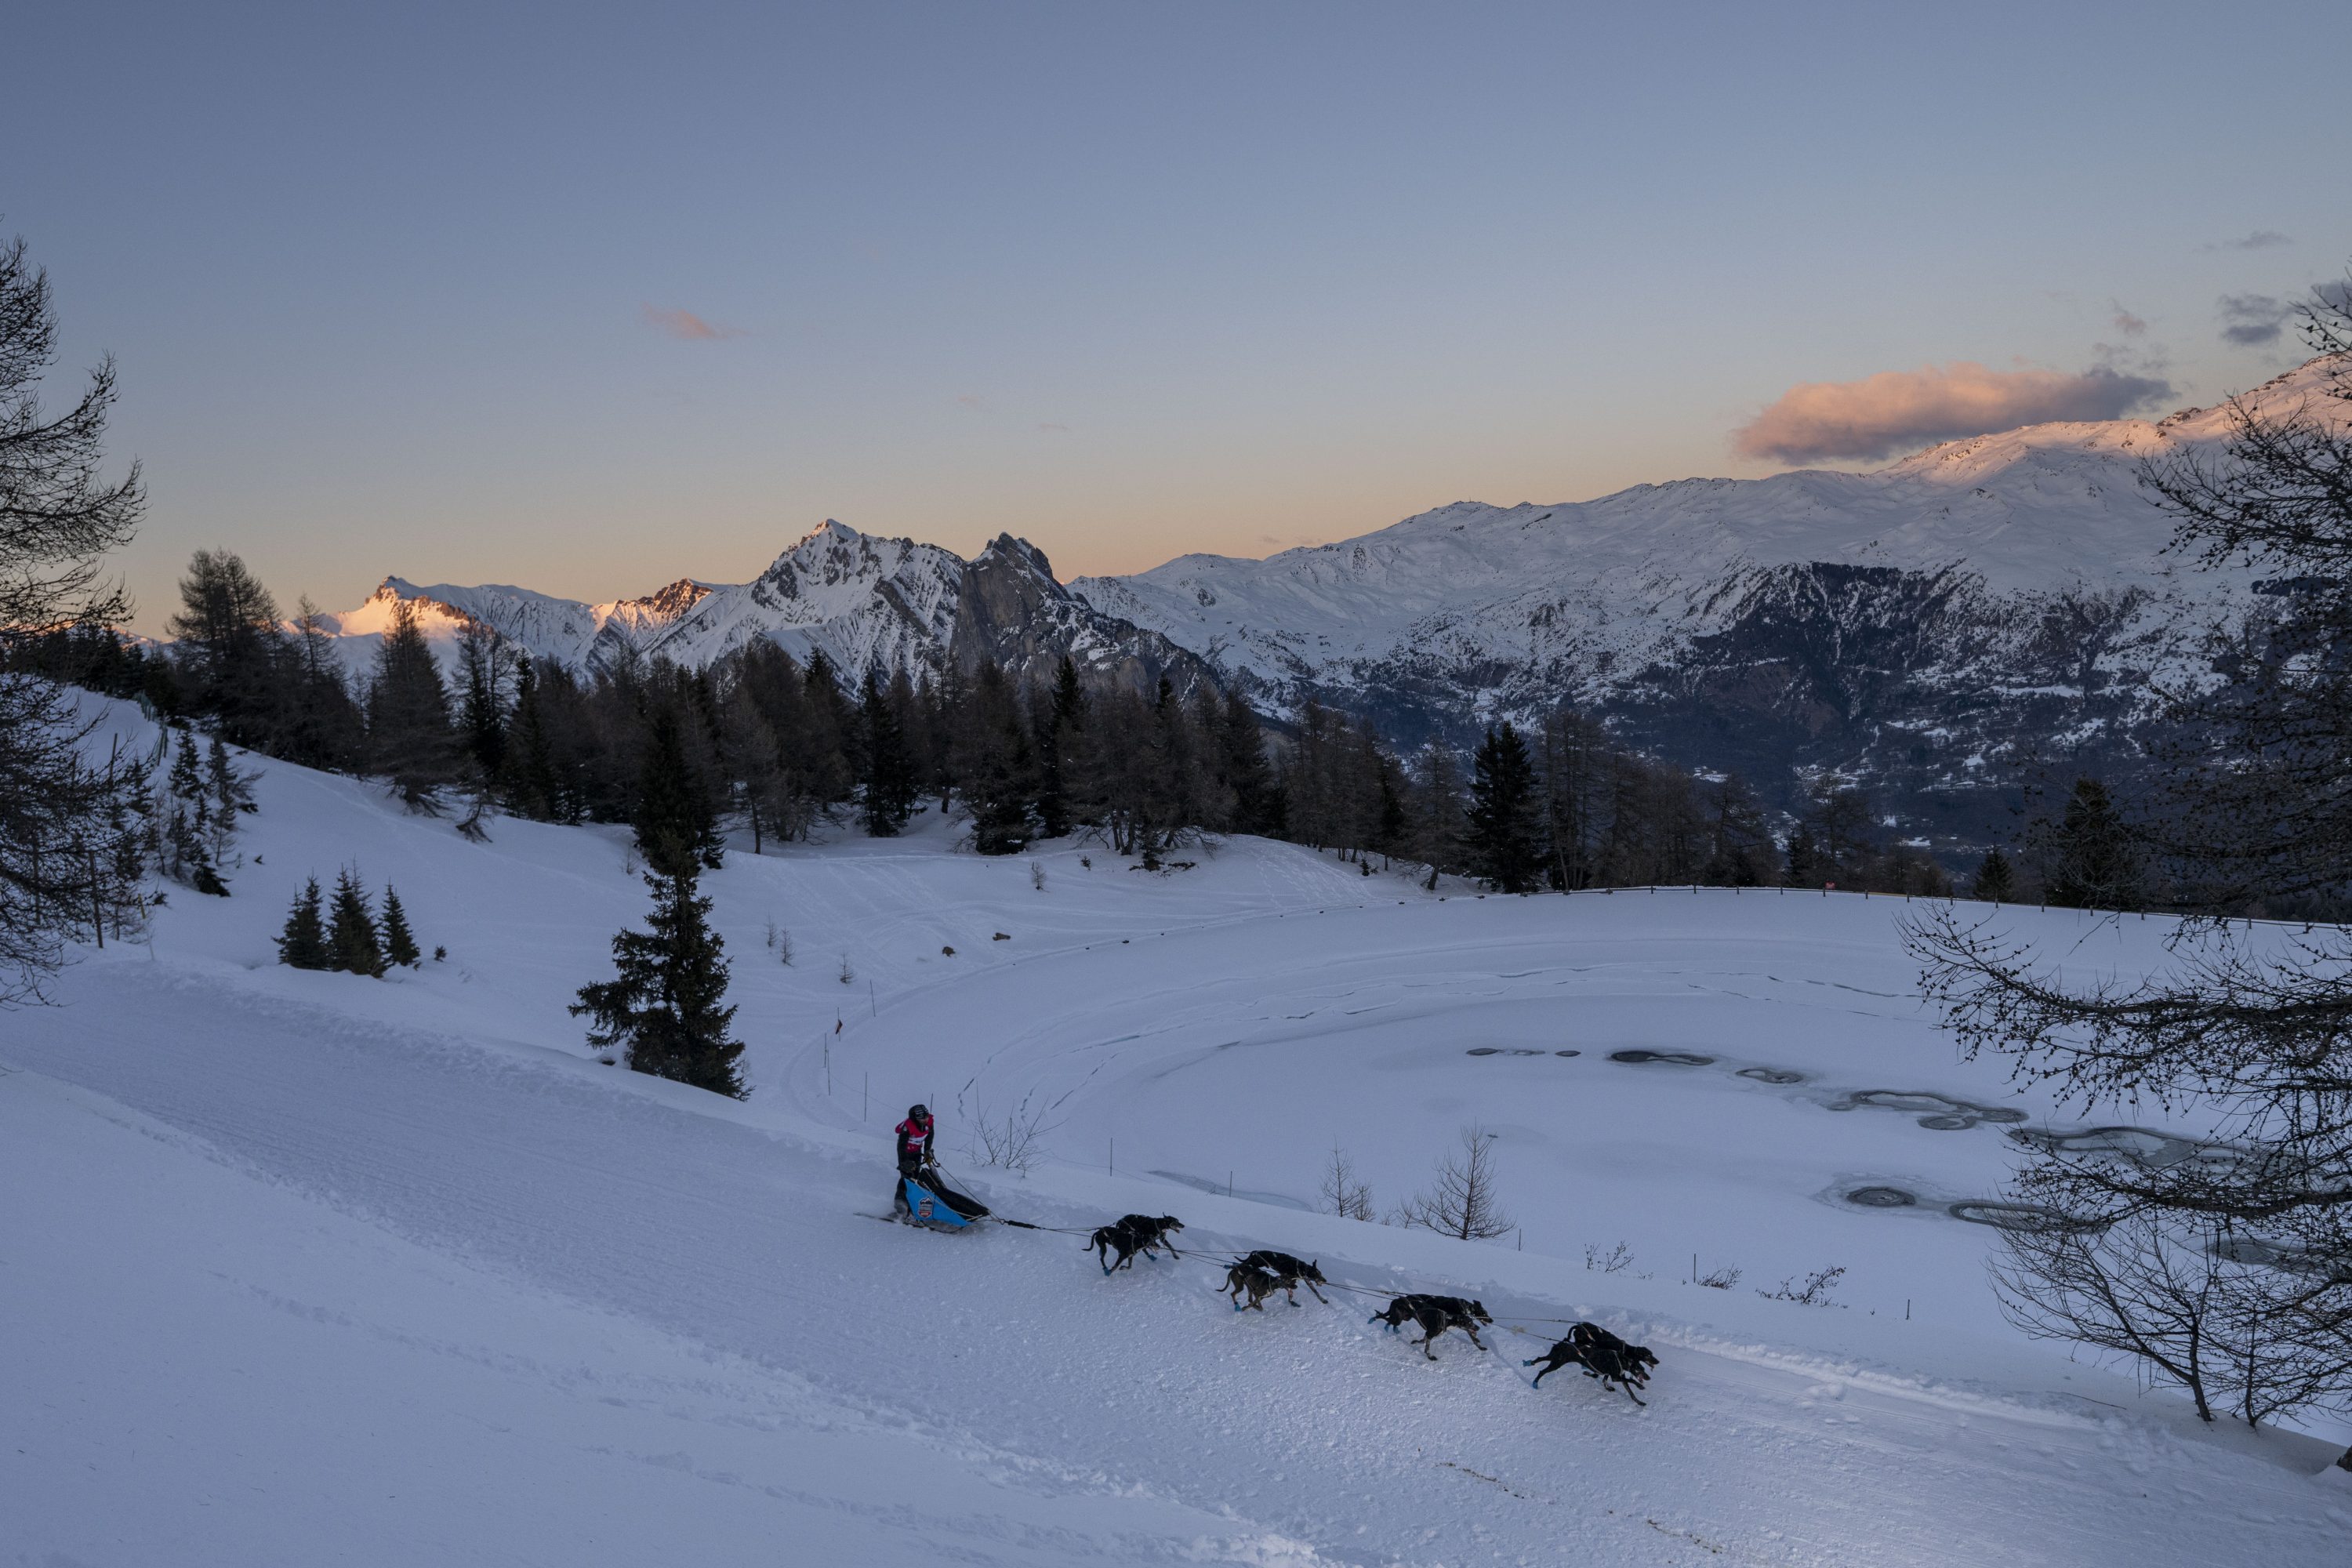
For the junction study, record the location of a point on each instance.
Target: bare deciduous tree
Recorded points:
(1462, 1201)
(1343, 1194)
(1014, 1142)
(2254, 1033)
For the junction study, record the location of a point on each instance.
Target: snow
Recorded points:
(1588, 588)
(309, 1267)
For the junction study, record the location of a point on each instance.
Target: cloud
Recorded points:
(1061, 429)
(2127, 323)
(2252, 318)
(1897, 410)
(686, 327)
(2261, 239)
(972, 400)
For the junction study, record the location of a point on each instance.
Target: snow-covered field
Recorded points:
(306, 1269)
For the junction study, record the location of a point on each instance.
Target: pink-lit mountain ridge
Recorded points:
(1923, 625)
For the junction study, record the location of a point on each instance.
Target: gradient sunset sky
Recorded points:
(587, 298)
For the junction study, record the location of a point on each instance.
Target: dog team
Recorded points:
(1260, 1274)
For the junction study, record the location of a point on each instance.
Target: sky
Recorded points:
(589, 298)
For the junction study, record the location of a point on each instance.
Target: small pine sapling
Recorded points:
(303, 944)
(399, 942)
(352, 942)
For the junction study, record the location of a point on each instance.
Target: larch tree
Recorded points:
(2254, 1030)
(61, 874)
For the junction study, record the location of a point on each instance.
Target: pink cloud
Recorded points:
(1897, 410)
(687, 327)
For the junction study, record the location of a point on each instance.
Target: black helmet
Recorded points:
(917, 1113)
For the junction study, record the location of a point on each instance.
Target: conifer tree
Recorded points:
(484, 668)
(303, 943)
(887, 774)
(1503, 834)
(187, 837)
(352, 943)
(1996, 882)
(2092, 862)
(227, 644)
(529, 787)
(664, 1006)
(409, 734)
(678, 831)
(1062, 720)
(1240, 745)
(399, 942)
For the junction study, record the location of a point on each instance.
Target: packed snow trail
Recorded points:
(621, 1194)
(435, 1159)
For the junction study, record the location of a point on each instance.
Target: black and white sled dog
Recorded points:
(1292, 1271)
(1435, 1314)
(1133, 1233)
(1601, 1354)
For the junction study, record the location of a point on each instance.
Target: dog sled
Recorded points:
(928, 1201)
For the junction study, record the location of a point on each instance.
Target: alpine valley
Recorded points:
(1934, 630)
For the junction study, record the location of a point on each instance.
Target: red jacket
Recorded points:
(914, 1140)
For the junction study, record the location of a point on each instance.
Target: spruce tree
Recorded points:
(1503, 834)
(1058, 765)
(664, 1006)
(409, 734)
(399, 942)
(887, 774)
(483, 666)
(1996, 881)
(303, 943)
(188, 837)
(352, 943)
(529, 787)
(1240, 745)
(2092, 863)
(678, 831)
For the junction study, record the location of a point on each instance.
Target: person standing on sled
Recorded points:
(915, 1136)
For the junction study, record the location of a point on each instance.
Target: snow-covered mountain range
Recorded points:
(1920, 627)
(860, 600)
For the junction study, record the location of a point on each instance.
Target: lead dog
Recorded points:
(1292, 1271)
(1601, 1354)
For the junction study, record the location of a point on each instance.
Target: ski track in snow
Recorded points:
(1068, 1417)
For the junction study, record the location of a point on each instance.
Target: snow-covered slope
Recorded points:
(323, 1268)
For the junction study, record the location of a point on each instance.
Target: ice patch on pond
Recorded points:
(1881, 1198)
(1937, 1112)
(2006, 1215)
(2142, 1146)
